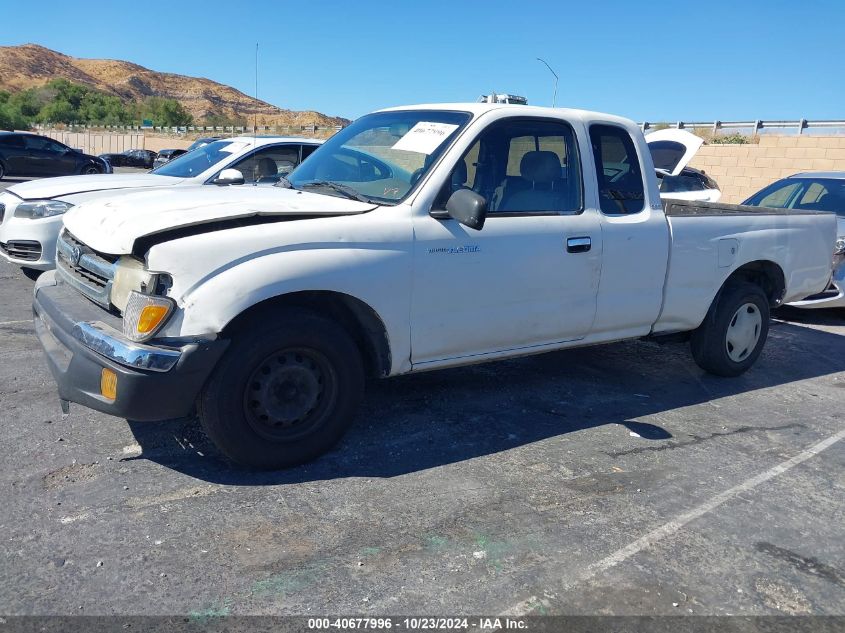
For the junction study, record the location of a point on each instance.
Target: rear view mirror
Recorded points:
(229, 177)
(468, 208)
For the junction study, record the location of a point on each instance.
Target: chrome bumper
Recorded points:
(108, 342)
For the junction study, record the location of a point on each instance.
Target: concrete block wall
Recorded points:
(742, 170)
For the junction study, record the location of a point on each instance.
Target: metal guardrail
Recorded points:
(184, 129)
(799, 126)
(714, 126)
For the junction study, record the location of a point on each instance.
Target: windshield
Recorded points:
(381, 156)
(812, 194)
(666, 154)
(197, 161)
(200, 142)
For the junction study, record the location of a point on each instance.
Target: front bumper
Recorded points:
(154, 381)
(19, 235)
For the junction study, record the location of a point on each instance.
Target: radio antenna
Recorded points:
(255, 117)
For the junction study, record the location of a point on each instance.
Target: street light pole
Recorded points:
(554, 99)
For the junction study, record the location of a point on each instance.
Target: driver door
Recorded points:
(530, 277)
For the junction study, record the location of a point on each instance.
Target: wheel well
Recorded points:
(356, 317)
(765, 274)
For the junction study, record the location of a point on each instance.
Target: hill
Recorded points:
(31, 65)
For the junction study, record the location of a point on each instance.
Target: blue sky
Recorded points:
(653, 61)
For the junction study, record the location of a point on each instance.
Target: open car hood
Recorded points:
(112, 224)
(45, 188)
(672, 150)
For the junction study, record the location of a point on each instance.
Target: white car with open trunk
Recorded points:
(416, 238)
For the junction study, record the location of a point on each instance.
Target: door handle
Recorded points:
(578, 244)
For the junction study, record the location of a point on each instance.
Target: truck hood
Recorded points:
(672, 150)
(112, 224)
(68, 185)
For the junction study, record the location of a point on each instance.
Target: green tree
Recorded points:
(11, 119)
(58, 111)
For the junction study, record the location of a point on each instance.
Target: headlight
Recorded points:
(41, 209)
(130, 275)
(144, 315)
(840, 246)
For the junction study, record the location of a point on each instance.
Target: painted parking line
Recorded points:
(15, 322)
(655, 536)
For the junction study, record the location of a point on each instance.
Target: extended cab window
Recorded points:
(521, 166)
(620, 180)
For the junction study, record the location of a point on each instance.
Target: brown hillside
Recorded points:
(31, 65)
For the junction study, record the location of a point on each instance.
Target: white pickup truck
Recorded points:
(414, 239)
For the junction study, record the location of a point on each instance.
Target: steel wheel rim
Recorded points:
(289, 394)
(743, 332)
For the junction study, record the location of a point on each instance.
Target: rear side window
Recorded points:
(620, 180)
(11, 140)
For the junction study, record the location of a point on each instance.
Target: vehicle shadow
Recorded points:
(816, 316)
(417, 422)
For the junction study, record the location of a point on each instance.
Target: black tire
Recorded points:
(284, 393)
(90, 170)
(710, 344)
(2, 171)
(31, 273)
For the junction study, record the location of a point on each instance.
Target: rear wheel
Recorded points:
(283, 393)
(2, 171)
(734, 331)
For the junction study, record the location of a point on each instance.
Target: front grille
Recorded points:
(25, 250)
(90, 272)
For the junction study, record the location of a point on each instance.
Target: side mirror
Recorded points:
(229, 177)
(468, 208)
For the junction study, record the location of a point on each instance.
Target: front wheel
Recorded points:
(284, 393)
(89, 170)
(734, 331)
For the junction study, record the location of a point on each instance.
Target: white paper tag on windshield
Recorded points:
(425, 137)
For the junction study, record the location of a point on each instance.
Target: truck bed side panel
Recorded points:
(711, 241)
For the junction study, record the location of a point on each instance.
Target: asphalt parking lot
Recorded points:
(608, 480)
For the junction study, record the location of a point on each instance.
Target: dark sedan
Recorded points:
(167, 155)
(25, 154)
(131, 158)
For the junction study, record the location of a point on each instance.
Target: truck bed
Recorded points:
(708, 238)
(686, 208)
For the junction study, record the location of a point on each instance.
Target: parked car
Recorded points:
(201, 142)
(131, 158)
(25, 154)
(166, 155)
(33, 210)
(489, 233)
(671, 151)
(813, 191)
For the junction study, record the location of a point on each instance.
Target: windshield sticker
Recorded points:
(233, 147)
(425, 137)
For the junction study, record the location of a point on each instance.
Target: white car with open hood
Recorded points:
(416, 238)
(672, 150)
(31, 212)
